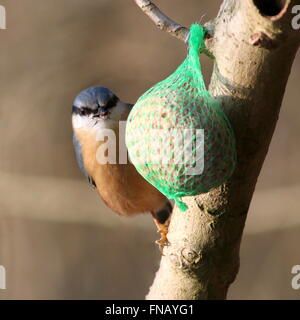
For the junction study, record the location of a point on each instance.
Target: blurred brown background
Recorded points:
(57, 240)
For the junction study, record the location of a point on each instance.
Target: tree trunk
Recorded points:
(254, 46)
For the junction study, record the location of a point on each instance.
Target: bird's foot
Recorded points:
(162, 220)
(163, 230)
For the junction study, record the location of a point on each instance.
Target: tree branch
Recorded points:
(254, 47)
(162, 21)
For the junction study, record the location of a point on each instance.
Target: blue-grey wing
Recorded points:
(80, 162)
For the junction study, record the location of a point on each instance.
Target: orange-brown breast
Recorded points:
(121, 187)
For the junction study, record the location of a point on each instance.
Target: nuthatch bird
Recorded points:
(122, 188)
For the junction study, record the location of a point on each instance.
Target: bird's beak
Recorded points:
(102, 113)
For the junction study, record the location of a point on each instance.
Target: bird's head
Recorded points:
(98, 107)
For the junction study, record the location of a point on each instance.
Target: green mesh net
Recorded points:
(177, 136)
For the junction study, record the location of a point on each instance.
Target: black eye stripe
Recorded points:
(82, 111)
(75, 110)
(86, 111)
(112, 102)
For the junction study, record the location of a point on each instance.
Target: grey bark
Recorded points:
(254, 46)
(162, 21)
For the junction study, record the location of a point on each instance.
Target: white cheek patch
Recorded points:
(88, 123)
(117, 113)
(105, 124)
(82, 122)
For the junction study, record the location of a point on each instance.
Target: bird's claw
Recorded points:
(162, 228)
(163, 241)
